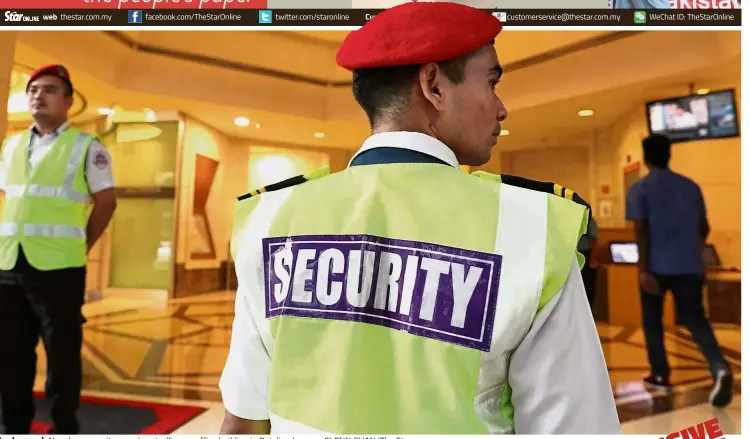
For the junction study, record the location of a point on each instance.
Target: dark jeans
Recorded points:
(47, 304)
(688, 298)
(589, 278)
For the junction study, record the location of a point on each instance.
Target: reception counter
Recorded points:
(618, 293)
(623, 296)
(724, 291)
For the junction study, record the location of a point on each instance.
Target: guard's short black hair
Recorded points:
(657, 150)
(383, 92)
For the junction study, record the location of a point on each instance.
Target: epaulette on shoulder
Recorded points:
(289, 182)
(486, 176)
(534, 185)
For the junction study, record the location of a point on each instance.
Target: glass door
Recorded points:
(142, 235)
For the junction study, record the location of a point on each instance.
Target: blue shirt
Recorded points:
(673, 208)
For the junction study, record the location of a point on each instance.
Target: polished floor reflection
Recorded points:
(143, 351)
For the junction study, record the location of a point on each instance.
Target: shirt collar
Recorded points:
(413, 141)
(65, 125)
(657, 171)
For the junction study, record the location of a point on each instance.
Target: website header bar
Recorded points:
(293, 4)
(94, 5)
(353, 4)
(357, 17)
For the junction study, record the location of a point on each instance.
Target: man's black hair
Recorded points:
(384, 92)
(657, 150)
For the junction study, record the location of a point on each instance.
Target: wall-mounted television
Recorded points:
(696, 117)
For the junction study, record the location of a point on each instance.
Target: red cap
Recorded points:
(53, 70)
(418, 33)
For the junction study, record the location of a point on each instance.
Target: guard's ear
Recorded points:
(431, 80)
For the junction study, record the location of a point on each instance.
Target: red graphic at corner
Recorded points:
(705, 430)
(133, 4)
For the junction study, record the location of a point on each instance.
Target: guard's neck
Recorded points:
(402, 125)
(45, 127)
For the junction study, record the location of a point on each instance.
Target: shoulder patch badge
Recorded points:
(100, 160)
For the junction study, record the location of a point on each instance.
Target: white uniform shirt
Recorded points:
(558, 374)
(98, 172)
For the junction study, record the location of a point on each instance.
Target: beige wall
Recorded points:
(268, 164)
(229, 183)
(566, 166)
(716, 167)
(338, 159)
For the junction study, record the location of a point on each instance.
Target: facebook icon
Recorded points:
(135, 17)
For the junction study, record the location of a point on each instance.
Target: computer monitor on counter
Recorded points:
(623, 253)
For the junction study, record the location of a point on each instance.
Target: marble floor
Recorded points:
(176, 352)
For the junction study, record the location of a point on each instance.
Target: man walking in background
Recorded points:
(671, 229)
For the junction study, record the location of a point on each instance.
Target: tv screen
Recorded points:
(697, 117)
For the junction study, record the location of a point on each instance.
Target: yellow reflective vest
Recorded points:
(45, 209)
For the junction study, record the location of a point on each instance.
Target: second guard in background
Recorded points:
(49, 175)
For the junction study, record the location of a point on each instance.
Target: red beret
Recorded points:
(53, 70)
(418, 33)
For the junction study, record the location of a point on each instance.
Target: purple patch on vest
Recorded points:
(444, 293)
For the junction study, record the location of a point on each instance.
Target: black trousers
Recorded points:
(37, 303)
(688, 298)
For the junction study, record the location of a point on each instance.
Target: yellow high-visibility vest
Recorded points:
(45, 209)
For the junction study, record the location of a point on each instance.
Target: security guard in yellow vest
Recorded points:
(49, 175)
(425, 75)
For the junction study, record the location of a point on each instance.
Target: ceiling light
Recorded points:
(504, 132)
(703, 91)
(319, 135)
(242, 121)
(106, 111)
(258, 125)
(585, 113)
